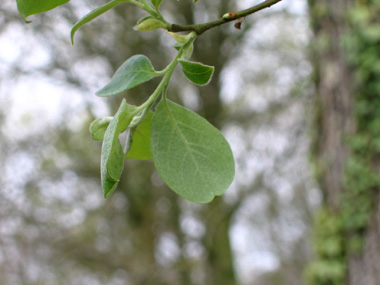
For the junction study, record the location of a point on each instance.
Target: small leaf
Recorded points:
(94, 14)
(195, 1)
(136, 70)
(112, 157)
(27, 8)
(191, 156)
(156, 3)
(98, 128)
(188, 51)
(144, 19)
(196, 72)
(140, 148)
(182, 39)
(149, 24)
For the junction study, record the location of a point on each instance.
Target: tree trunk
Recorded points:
(334, 95)
(346, 96)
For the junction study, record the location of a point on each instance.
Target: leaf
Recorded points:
(156, 3)
(27, 8)
(181, 39)
(195, 1)
(98, 127)
(189, 51)
(149, 24)
(136, 70)
(140, 148)
(112, 157)
(94, 14)
(196, 72)
(191, 156)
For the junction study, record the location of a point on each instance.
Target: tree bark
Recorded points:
(335, 89)
(333, 79)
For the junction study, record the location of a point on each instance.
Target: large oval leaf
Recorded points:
(27, 8)
(191, 156)
(112, 157)
(136, 70)
(140, 148)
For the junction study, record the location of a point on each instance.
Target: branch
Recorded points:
(201, 28)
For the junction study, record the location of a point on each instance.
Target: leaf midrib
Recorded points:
(185, 142)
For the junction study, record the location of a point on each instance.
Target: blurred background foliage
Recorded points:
(55, 226)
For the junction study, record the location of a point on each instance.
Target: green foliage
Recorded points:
(140, 140)
(190, 155)
(112, 158)
(98, 128)
(156, 3)
(27, 8)
(94, 14)
(361, 181)
(136, 70)
(196, 72)
(329, 267)
(149, 24)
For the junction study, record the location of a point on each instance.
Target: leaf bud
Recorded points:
(182, 39)
(230, 16)
(149, 25)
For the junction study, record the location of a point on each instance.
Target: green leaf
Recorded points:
(195, 1)
(112, 157)
(140, 148)
(191, 156)
(94, 14)
(98, 128)
(31, 7)
(181, 39)
(136, 70)
(149, 24)
(156, 3)
(196, 72)
(189, 51)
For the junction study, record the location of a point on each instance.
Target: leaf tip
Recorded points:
(109, 189)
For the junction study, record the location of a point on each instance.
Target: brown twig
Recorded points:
(201, 28)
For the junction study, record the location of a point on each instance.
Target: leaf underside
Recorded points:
(112, 157)
(98, 128)
(191, 156)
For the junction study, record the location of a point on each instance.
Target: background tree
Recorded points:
(346, 76)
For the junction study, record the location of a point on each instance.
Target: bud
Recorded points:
(230, 16)
(149, 25)
(182, 39)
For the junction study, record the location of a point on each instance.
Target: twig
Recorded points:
(201, 28)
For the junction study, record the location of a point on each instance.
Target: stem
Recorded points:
(155, 13)
(145, 107)
(201, 28)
